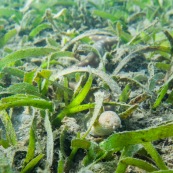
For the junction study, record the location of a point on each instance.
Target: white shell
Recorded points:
(107, 123)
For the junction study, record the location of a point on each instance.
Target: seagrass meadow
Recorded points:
(86, 86)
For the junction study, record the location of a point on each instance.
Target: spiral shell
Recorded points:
(107, 123)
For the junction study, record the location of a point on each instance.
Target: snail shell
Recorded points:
(107, 123)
